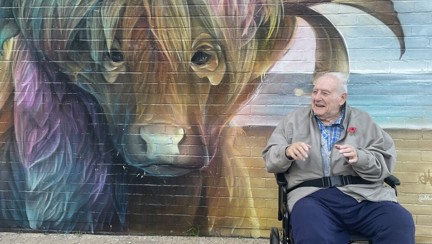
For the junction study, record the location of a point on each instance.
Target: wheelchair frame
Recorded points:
(283, 214)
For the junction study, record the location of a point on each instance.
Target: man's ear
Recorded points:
(344, 97)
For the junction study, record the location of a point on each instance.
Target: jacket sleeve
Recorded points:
(274, 153)
(377, 159)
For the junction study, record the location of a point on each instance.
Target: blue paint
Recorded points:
(394, 100)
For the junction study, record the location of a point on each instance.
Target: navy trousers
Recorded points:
(327, 216)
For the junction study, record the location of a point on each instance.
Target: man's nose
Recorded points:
(317, 96)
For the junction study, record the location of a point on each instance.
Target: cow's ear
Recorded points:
(8, 26)
(274, 41)
(207, 60)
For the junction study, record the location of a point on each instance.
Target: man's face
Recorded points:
(327, 98)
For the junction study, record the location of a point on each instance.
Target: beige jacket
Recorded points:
(375, 149)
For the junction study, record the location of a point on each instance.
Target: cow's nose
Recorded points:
(162, 141)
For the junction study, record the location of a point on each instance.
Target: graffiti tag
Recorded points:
(425, 197)
(425, 178)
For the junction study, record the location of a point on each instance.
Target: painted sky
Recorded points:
(372, 46)
(395, 90)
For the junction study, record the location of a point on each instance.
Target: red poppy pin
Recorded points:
(352, 130)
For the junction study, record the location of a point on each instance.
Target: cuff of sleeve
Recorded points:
(288, 157)
(362, 158)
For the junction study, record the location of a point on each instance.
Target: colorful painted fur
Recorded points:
(90, 84)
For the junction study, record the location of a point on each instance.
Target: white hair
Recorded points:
(340, 76)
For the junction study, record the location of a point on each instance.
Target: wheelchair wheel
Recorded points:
(274, 236)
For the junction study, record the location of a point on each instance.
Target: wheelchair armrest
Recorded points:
(281, 180)
(392, 181)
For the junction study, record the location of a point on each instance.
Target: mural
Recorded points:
(120, 115)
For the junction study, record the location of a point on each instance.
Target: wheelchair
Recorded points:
(283, 214)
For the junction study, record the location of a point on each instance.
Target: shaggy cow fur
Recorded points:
(89, 83)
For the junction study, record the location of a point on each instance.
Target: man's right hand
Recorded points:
(297, 151)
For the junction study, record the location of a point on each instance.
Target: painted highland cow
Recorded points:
(96, 92)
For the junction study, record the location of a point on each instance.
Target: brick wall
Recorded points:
(415, 162)
(414, 193)
(115, 116)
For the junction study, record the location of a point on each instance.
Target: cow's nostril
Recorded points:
(161, 140)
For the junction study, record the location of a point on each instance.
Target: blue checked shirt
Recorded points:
(330, 134)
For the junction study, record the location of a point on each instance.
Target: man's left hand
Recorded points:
(349, 152)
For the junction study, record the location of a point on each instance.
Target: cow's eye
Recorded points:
(116, 55)
(200, 58)
(113, 65)
(207, 59)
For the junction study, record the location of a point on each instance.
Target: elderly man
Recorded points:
(336, 158)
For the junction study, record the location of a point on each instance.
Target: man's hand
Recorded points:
(349, 152)
(297, 151)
